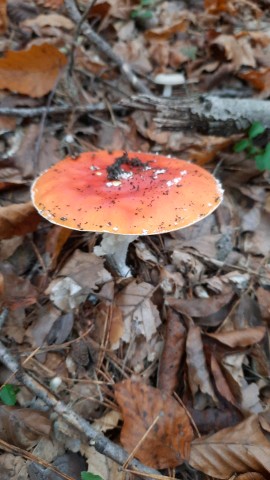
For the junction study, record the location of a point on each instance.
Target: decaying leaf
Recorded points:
(15, 292)
(23, 427)
(239, 449)
(240, 338)
(18, 219)
(172, 354)
(31, 72)
(141, 316)
(3, 17)
(199, 378)
(167, 442)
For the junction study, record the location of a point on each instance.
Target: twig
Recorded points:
(102, 444)
(77, 33)
(37, 111)
(105, 48)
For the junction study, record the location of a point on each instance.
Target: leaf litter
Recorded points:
(174, 361)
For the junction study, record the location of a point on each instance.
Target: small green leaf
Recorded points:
(147, 3)
(242, 145)
(259, 159)
(8, 394)
(253, 150)
(141, 14)
(90, 476)
(256, 129)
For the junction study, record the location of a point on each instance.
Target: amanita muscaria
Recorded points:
(124, 195)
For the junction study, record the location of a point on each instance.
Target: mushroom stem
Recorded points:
(115, 248)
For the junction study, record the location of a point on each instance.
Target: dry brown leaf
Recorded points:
(15, 292)
(240, 338)
(18, 219)
(164, 33)
(3, 17)
(23, 427)
(221, 381)
(236, 50)
(250, 476)
(173, 351)
(50, 20)
(201, 307)
(86, 269)
(263, 298)
(218, 6)
(167, 443)
(55, 240)
(199, 378)
(239, 449)
(32, 72)
(259, 79)
(54, 4)
(101, 465)
(140, 315)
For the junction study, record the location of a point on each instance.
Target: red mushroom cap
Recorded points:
(162, 194)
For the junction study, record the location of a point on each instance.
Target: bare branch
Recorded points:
(203, 113)
(37, 111)
(102, 444)
(105, 48)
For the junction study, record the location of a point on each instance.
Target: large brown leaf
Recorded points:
(23, 427)
(239, 449)
(167, 443)
(31, 72)
(18, 219)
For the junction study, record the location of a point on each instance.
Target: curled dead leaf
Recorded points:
(238, 449)
(18, 219)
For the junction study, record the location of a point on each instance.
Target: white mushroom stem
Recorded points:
(115, 248)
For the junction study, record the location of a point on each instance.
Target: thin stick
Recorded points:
(60, 109)
(102, 444)
(105, 48)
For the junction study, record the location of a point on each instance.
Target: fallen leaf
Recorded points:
(50, 20)
(236, 50)
(18, 219)
(198, 375)
(167, 443)
(3, 17)
(221, 381)
(22, 426)
(140, 315)
(15, 292)
(237, 449)
(101, 465)
(54, 4)
(172, 354)
(32, 72)
(164, 33)
(240, 338)
(218, 6)
(207, 309)
(259, 79)
(86, 269)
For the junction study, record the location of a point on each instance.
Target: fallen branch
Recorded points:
(203, 113)
(37, 111)
(102, 444)
(105, 48)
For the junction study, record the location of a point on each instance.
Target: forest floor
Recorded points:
(170, 364)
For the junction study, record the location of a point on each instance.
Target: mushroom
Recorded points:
(169, 80)
(123, 196)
